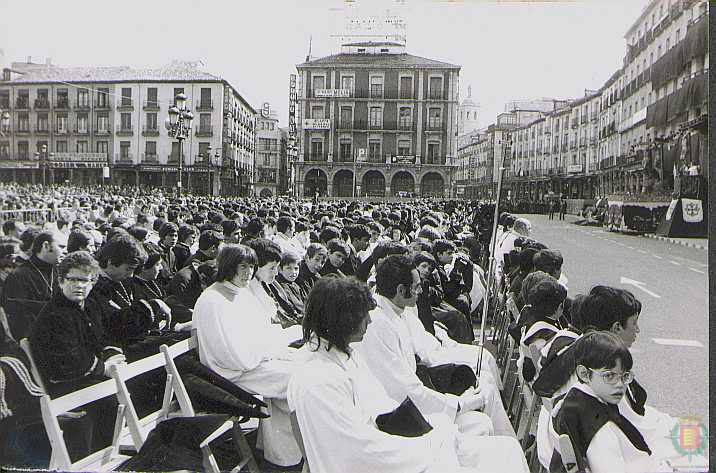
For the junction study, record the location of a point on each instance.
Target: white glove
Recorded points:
(471, 400)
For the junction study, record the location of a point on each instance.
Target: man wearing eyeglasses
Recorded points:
(70, 345)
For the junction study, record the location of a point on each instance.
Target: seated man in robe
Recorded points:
(338, 402)
(396, 338)
(239, 342)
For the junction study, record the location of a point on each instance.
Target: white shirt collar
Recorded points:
(387, 304)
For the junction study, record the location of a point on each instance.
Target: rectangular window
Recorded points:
(346, 117)
(4, 149)
(374, 151)
(434, 118)
(319, 82)
(152, 97)
(126, 121)
(346, 150)
(376, 87)
(205, 98)
(126, 97)
(406, 87)
(403, 147)
(347, 83)
(436, 88)
(124, 150)
(102, 97)
(42, 100)
(376, 117)
(152, 121)
(4, 99)
(316, 150)
(102, 147)
(23, 150)
(42, 122)
(82, 123)
(83, 98)
(23, 122)
(82, 147)
(177, 91)
(103, 122)
(61, 146)
(61, 123)
(317, 112)
(150, 150)
(405, 118)
(205, 122)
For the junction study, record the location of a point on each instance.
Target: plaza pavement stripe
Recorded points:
(657, 257)
(676, 342)
(674, 263)
(697, 271)
(641, 251)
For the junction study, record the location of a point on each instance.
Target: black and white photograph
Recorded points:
(354, 236)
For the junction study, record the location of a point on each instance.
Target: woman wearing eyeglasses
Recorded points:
(604, 441)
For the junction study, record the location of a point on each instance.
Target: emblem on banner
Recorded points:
(689, 436)
(693, 210)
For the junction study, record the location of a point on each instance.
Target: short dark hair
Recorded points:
(41, 239)
(28, 237)
(315, 248)
(339, 245)
(8, 226)
(78, 239)
(546, 296)
(392, 272)
(209, 238)
(530, 281)
(429, 232)
(229, 227)
(284, 223)
(266, 251)
(335, 309)
(230, 257)
(74, 260)
(424, 257)
(601, 349)
(167, 229)
(138, 232)
(605, 306)
(358, 231)
(288, 258)
(185, 231)
(120, 249)
(328, 233)
(387, 248)
(441, 246)
(549, 261)
(254, 227)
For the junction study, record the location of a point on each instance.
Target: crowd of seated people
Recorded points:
(349, 317)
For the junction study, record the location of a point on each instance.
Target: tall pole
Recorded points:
(181, 156)
(491, 266)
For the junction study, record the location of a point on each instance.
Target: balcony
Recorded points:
(104, 131)
(150, 158)
(375, 125)
(23, 129)
(125, 105)
(434, 125)
(205, 106)
(22, 103)
(345, 125)
(592, 141)
(202, 131)
(435, 95)
(594, 117)
(81, 131)
(62, 104)
(103, 104)
(173, 158)
(547, 131)
(123, 130)
(376, 91)
(82, 105)
(406, 125)
(124, 158)
(583, 143)
(150, 105)
(573, 146)
(316, 157)
(42, 129)
(150, 131)
(42, 104)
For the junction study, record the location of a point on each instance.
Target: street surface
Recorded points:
(671, 281)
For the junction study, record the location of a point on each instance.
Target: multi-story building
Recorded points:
(376, 121)
(67, 124)
(270, 147)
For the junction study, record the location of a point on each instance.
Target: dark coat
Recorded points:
(26, 292)
(187, 285)
(182, 253)
(306, 278)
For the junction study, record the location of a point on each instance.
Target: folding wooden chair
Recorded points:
(525, 423)
(566, 451)
(105, 459)
(175, 387)
(25, 345)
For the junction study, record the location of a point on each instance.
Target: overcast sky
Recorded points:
(507, 50)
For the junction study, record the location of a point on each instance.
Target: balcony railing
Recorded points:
(376, 91)
(103, 131)
(22, 103)
(82, 105)
(151, 105)
(205, 131)
(150, 158)
(42, 104)
(102, 104)
(316, 157)
(5, 104)
(62, 104)
(375, 125)
(124, 158)
(435, 95)
(125, 105)
(23, 128)
(205, 105)
(345, 125)
(42, 130)
(125, 130)
(434, 124)
(82, 131)
(150, 131)
(406, 125)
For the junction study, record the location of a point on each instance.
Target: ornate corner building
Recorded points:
(375, 121)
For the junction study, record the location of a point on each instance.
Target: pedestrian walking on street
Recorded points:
(552, 206)
(562, 209)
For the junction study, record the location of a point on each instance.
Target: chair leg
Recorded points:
(247, 456)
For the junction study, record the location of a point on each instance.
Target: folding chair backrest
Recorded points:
(105, 459)
(566, 451)
(529, 408)
(140, 428)
(25, 345)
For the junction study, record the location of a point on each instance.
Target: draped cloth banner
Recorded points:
(693, 210)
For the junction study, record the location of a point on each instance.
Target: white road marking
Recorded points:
(630, 247)
(697, 271)
(641, 251)
(657, 257)
(678, 342)
(638, 284)
(674, 262)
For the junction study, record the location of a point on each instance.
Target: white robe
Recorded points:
(389, 347)
(238, 341)
(289, 245)
(336, 399)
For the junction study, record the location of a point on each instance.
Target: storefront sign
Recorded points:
(317, 124)
(331, 93)
(574, 168)
(19, 165)
(78, 157)
(77, 165)
(403, 160)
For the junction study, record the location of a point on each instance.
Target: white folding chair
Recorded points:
(175, 387)
(105, 459)
(25, 345)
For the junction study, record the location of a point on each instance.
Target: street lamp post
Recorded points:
(178, 123)
(42, 157)
(211, 162)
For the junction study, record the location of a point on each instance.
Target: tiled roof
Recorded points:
(176, 71)
(399, 61)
